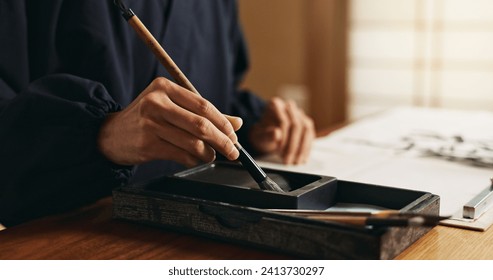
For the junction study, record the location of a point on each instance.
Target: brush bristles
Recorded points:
(269, 184)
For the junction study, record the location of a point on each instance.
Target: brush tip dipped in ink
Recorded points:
(256, 172)
(269, 184)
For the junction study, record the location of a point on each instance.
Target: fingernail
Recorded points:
(234, 154)
(239, 120)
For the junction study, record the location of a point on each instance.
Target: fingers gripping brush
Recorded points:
(246, 160)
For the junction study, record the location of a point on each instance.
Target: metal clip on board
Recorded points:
(479, 204)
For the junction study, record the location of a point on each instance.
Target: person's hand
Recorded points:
(284, 129)
(168, 122)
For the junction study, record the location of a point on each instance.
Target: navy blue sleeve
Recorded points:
(49, 161)
(6, 92)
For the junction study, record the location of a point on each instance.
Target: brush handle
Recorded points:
(246, 160)
(161, 54)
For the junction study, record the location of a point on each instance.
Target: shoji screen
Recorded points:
(436, 53)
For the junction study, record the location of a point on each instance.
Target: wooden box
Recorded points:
(192, 203)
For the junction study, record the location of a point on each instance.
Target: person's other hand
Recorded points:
(284, 129)
(168, 122)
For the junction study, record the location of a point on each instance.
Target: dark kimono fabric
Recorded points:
(64, 65)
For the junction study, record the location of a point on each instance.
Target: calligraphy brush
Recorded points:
(246, 160)
(402, 221)
(309, 212)
(413, 221)
(379, 218)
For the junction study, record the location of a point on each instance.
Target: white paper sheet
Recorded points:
(373, 150)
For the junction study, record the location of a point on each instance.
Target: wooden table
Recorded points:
(91, 233)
